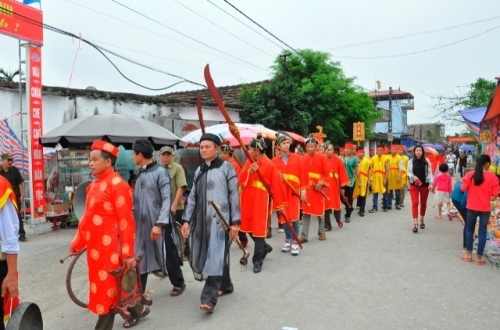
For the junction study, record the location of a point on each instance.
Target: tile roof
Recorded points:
(396, 94)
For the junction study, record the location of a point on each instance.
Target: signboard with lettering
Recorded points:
(358, 131)
(461, 139)
(20, 21)
(35, 115)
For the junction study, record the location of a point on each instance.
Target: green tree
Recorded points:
(308, 90)
(8, 76)
(478, 94)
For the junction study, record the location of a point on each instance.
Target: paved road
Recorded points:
(372, 274)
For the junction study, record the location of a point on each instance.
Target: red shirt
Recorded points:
(479, 197)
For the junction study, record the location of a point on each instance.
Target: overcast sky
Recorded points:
(317, 24)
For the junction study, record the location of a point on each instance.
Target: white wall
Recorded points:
(60, 109)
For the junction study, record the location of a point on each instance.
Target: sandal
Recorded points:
(450, 217)
(480, 261)
(438, 217)
(207, 308)
(340, 224)
(177, 291)
(322, 237)
(422, 226)
(134, 322)
(221, 293)
(466, 257)
(415, 229)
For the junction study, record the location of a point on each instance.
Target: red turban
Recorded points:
(105, 146)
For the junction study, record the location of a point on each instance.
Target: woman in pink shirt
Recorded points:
(480, 186)
(442, 189)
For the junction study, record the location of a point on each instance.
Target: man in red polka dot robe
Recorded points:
(107, 229)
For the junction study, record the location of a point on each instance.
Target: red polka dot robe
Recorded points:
(107, 229)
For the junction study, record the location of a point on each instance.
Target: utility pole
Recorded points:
(389, 130)
(284, 64)
(420, 133)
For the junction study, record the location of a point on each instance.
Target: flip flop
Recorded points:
(480, 262)
(133, 323)
(207, 307)
(221, 293)
(177, 291)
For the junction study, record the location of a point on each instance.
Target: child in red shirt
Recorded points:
(442, 188)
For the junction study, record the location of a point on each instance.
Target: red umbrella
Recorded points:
(295, 137)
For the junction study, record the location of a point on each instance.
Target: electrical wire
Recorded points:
(101, 50)
(413, 34)
(248, 26)
(421, 51)
(234, 35)
(159, 34)
(263, 28)
(97, 42)
(186, 36)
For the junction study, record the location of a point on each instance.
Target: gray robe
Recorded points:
(209, 242)
(151, 206)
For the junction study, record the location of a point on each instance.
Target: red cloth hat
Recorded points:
(360, 149)
(349, 145)
(341, 150)
(105, 146)
(393, 146)
(380, 148)
(401, 148)
(371, 152)
(386, 149)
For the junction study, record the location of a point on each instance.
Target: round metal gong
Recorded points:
(26, 316)
(129, 281)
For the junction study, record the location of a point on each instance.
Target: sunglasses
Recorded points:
(10, 160)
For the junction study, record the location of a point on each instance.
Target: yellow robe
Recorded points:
(404, 177)
(392, 178)
(378, 173)
(362, 181)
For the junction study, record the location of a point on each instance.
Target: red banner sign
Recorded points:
(461, 139)
(35, 115)
(21, 21)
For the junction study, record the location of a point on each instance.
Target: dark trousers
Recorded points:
(3, 274)
(348, 193)
(173, 263)
(213, 284)
(260, 250)
(470, 226)
(105, 322)
(362, 203)
(463, 213)
(22, 233)
(328, 218)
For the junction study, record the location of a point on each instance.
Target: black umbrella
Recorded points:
(119, 129)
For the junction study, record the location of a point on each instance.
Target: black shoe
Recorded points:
(23, 238)
(361, 214)
(398, 207)
(267, 249)
(347, 220)
(384, 209)
(269, 233)
(389, 208)
(257, 268)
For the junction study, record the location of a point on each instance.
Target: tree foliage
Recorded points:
(306, 91)
(478, 94)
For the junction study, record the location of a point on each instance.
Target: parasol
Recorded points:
(119, 129)
(294, 136)
(428, 150)
(247, 133)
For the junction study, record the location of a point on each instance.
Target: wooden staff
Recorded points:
(200, 113)
(236, 133)
(227, 229)
(294, 190)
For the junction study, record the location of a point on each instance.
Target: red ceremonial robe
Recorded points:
(294, 173)
(236, 166)
(254, 199)
(337, 178)
(107, 229)
(316, 167)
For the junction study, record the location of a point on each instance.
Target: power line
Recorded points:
(421, 51)
(160, 57)
(186, 36)
(158, 34)
(102, 50)
(263, 28)
(234, 35)
(413, 34)
(248, 26)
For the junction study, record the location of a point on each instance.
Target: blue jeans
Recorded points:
(470, 225)
(388, 197)
(288, 233)
(375, 201)
(462, 211)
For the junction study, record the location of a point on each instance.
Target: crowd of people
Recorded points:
(296, 186)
